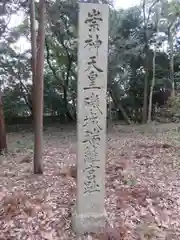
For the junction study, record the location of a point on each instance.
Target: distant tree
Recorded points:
(136, 72)
(3, 25)
(156, 22)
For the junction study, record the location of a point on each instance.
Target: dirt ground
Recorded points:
(142, 185)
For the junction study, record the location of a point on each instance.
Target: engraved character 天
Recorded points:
(92, 63)
(93, 19)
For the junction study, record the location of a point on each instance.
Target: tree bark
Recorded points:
(119, 106)
(3, 143)
(39, 92)
(154, 69)
(171, 62)
(152, 87)
(66, 84)
(65, 99)
(145, 103)
(146, 18)
(33, 51)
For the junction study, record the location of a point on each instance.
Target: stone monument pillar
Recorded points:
(89, 213)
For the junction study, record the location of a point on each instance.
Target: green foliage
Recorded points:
(126, 68)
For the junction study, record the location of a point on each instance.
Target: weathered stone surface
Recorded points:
(89, 212)
(86, 223)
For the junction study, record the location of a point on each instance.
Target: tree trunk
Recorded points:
(147, 20)
(33, 51)
(145, 103)
(3, 143)
(119, 106)
(171, 62)
(65, 99)
(154, 71)
(66, 84)
(39, 92)
(152, 87)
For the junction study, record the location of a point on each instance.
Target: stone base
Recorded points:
(91, 223)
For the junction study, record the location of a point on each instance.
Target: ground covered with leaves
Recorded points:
(142, 185)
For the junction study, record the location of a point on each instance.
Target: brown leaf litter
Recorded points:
(142, 186)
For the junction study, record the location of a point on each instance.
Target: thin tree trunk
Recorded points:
(39, 92)
(110, 109)
(171, 63)
(146, 18)
(65, 99)
(33, 51)
(154, 71)
(119, 106)
(3, 143)
(144, 110)
(152, 87)
(145, 103)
